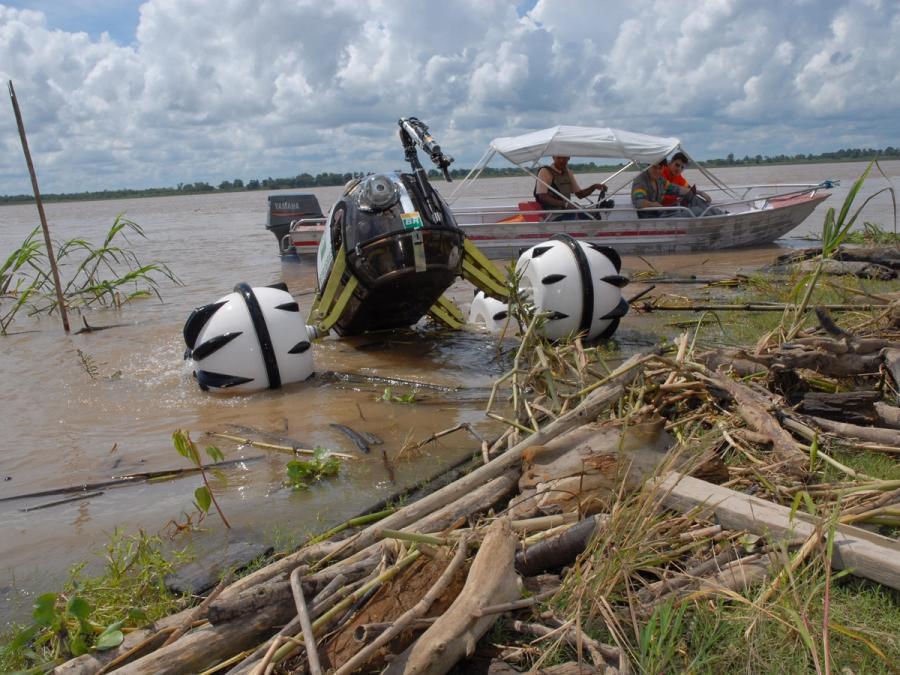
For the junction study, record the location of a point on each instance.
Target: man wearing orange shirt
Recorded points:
(673, 173)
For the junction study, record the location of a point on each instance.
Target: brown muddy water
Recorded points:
(61, 428)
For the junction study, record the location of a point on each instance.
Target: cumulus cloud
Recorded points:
(248, 88)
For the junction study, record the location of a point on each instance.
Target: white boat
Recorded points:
(756, 214)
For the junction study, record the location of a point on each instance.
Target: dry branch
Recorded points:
(492, 580)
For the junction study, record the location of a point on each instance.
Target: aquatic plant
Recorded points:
(303, 473)
(88, 364)
(203, 495)
(390, 397)
(92, 613)
(105, 275)
(873, 234)
(835, 231)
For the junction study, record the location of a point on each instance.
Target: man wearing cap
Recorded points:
(650, 189)
(559, 177)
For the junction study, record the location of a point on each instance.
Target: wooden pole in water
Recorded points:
(40, 207)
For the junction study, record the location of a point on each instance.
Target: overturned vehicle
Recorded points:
(390, 250)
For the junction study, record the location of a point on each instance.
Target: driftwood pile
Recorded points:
(879, 262)
(688, 463)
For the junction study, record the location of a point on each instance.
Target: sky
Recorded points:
(126, 94)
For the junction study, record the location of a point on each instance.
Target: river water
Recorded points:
(61, 427)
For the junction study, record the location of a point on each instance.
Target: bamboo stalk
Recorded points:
(353, 522)
(283, 653)
(751, 307)
(414, 537)
(312, 655)
(273, 446)
(60, 299)
(198, 610)
(127, 478)
(524, 603)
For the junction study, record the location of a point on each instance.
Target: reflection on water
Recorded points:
(63, 428)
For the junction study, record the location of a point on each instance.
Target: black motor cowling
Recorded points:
(404, 248)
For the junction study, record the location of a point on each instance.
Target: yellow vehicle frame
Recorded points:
(330, 302)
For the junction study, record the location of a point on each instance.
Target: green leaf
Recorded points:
(22, 638)
(795, 504)
(78, 607)
(78, 646)
(214, 453)
(204, 500)
(136, 614)
(110, 637)
(810, 504)
(181, 444)
(813, 451)
(44, 609)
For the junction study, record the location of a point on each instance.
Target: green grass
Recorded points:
(878, 465)
(708, 636)
(128, 593)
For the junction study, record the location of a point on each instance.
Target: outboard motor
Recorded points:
(253, 338)
(576, 283)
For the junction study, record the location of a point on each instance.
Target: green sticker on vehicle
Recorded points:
(411, 221)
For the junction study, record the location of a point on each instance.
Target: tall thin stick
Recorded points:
(40, 207)
(309, 639)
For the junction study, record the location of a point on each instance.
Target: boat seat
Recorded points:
(532, 205)
(526, 213)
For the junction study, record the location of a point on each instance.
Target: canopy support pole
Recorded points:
(483, 162)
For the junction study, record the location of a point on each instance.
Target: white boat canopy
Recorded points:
(572, 141)
(581, 142)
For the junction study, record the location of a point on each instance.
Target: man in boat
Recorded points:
(673, 172)
(560, 178)
(651, 189)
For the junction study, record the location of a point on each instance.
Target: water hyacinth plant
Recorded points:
(303, 473)
(106, 275)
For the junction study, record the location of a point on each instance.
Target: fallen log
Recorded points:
(492, 580)
(849, 343)
(874, 434)
(206, 647)
(856, 268)
(364, 655)
(559, 550)
(823, 362)
(146, 639)
(728, 361)
(864, 553)
(587, 468)
(849, 407)
(888, 257)
(888, 415)
(891, 359)
(278, 591)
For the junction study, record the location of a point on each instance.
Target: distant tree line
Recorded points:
(307, 180)
(848, 155)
